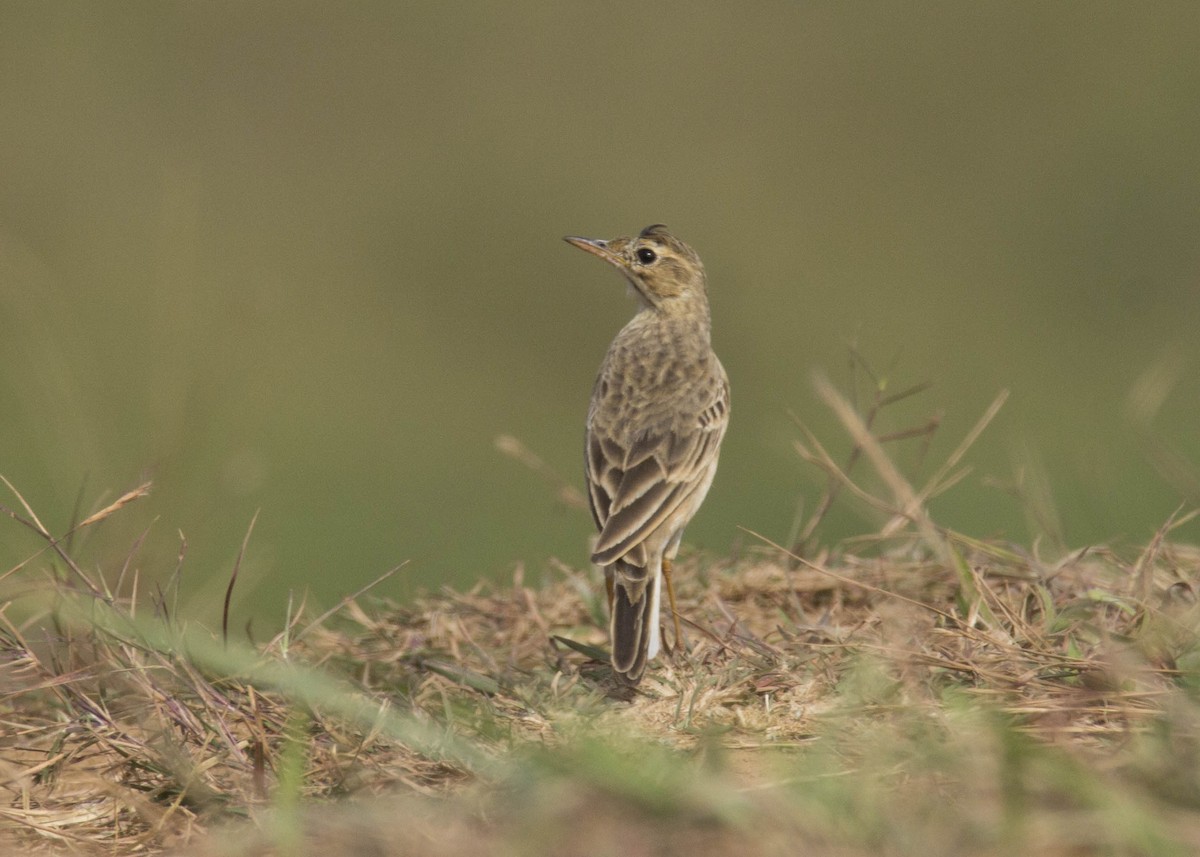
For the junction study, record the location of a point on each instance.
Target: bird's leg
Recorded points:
(666, 570)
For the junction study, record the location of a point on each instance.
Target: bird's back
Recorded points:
(658, 377)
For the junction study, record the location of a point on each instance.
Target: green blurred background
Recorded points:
(305, 258)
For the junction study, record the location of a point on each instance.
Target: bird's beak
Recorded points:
(597, 247)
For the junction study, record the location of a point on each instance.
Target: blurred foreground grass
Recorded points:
(917, 692)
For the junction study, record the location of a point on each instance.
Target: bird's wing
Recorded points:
(635, 487)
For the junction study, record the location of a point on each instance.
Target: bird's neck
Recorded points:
(674, 318)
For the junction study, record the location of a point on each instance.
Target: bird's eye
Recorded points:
(646, 256)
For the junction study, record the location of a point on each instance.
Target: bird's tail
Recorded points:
(635, 618)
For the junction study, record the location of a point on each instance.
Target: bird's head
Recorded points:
(665, 273)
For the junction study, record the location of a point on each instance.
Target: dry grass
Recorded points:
(917, 693)
(798, 684)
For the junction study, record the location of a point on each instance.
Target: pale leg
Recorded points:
(666, 573)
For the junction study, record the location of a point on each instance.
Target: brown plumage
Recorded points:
(658, 413)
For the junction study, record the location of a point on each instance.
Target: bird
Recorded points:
(658, 414)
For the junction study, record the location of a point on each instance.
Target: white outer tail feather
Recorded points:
(655, 594)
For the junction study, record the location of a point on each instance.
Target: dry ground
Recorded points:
(852, 705)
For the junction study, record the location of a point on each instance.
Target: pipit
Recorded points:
(658, 413)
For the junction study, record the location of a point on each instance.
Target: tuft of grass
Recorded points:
(920, 692)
